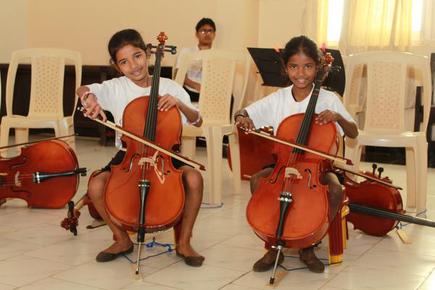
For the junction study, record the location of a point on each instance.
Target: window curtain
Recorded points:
(367, 24)
(376, 25)
(315, 24)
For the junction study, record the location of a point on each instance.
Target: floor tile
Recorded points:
(205, 277)
(56, 284)
(296, 279)
(397, 261)
(10, 248)
(67, 253)
(232, 258)
(22, 270)
(111, 275)
(366, 277)
(140, 285)
(429, 282)
(6, 287)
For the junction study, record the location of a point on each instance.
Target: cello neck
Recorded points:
(311, 108)
(390, 215)
(151, 119)
(309, 113)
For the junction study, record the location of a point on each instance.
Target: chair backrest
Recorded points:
(219, 69)
(388, 76)
(47, 79)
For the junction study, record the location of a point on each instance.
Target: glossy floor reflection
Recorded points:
(36, 253)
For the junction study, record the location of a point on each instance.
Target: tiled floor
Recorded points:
(36, 253)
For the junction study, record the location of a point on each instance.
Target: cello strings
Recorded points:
(303, 132)
(152, 112)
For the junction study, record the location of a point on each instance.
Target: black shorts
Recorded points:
(194, 96)
(269, 166)
(119, 156)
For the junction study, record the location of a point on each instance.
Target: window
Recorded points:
(417, 16)
(335, 19)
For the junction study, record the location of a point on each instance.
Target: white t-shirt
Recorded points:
(195, 70)
(115, 94)
(274, 108)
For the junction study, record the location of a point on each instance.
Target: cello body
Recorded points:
(19, 175)
(307, 219)
(375, 195)
(165, 200)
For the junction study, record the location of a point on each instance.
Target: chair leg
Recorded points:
(421, 179)
(208, 196)
(64, 130)
(353, 152)
(188, 146)
(21, 135)
(4, 138)
(349, 148)
(411, 178)
(235, 160)
(71, 140)
(214, 137)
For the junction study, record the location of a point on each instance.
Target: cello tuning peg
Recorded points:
(374, 166)
(380, 170)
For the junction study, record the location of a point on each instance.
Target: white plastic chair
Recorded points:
(46, 93)
(219, 70)
(388, 79)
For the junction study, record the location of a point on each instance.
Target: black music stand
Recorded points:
(269, 64)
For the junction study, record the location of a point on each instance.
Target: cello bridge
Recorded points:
(292, 172)
(154, 161)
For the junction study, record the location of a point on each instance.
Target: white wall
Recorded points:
(13, 28)
(278, 21)
(77, 25)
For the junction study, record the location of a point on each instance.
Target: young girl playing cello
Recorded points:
(302, 62)
(128, 54)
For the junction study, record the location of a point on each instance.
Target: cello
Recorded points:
(277, 209)
(70, 222)
(160, 201)
(45, 174)
(376, 208)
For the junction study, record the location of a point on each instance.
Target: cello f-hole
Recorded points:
(130, 165)
(273, 180)
(307, 170)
